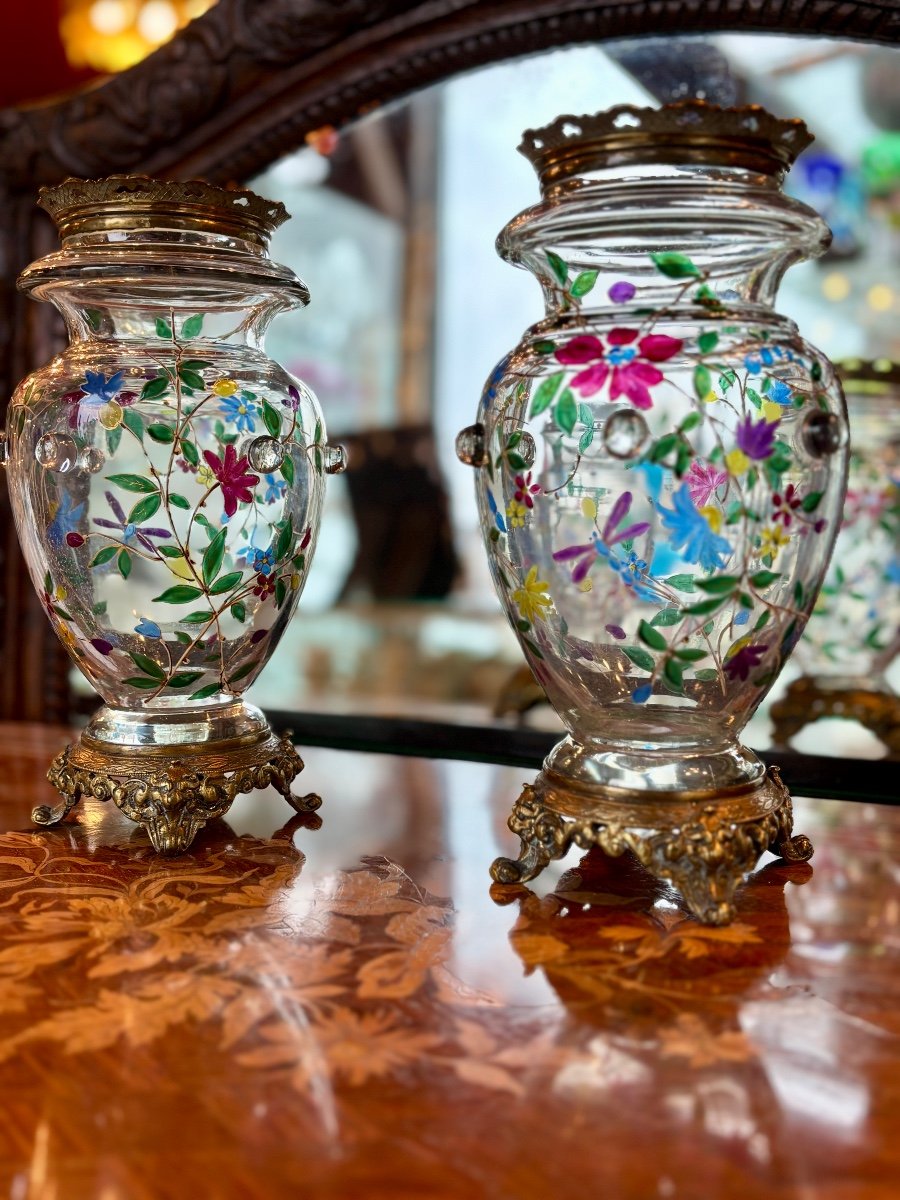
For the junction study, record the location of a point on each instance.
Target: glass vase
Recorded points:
(167, 483)
(640, 451)
(853, 635)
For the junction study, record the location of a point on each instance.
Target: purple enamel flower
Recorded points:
(756, 438)
(621, 292)
(142, 534)
(744, 661)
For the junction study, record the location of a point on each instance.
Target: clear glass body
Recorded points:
(853, 635)
(664, 462)
(166, 476)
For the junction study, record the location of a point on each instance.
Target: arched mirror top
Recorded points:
(247, 81)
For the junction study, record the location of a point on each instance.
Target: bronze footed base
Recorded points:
(173, 797)
(807, 700)
(703, 847)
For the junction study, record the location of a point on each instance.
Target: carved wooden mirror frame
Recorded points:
(240, 87)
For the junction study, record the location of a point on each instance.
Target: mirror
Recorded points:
(393, 230)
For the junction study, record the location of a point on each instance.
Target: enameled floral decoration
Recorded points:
(662, 457)
(167, 480)
(853, 635)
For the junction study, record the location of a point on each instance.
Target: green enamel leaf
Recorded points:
(189, 451)
(196, 364)
(584, 282)
(132, 421)
(212, 557)
(681, 583)
(142, 681)
(61, 612)
(754, 397)
(184, 638)
(243, 671)
(706, 674)
(566, 411)
(667, 616)
(191, 379)
(133, 483)
(675, 266)
(113, 437)
(762, 579)
(702, 382)
(272, 418)
(532, 646)
(239, 611)
(720, 585)
(154, 388)
(545, 394)
(704, 607)
(663, 447)
(650, 637)
(202, 693)
(148, 665)
(673, 673)
(689, 655)
(192, 326)
(811, 502)
(123, 562)
(144, 509)
(287, 469)
(544, 347)
(200, 617)
(280, 592)
(640, 657)
(184, 679)
(585, 440)
(285, 541)
(516, 461)
(226, 583)
(163, 329)
(179, 501)
(181, 593)
(707, 342)
(104, 555)
(170, 551)
(691, 421)
(762, 622)
(559, 267)
(161, 433)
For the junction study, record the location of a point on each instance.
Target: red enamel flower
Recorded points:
(236, 482)
(785, 506)
(628, 368)
(265, 586)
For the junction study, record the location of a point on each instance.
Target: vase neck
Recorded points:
(663, 237)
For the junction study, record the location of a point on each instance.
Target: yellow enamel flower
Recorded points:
(589, 508)
(771, 411)
(205, 476)
(737, 462)
(517, 514)
(773, 538)
(110, 415)
(713, 516)
(224, 387)
(532, 598)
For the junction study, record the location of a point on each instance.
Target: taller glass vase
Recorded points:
(662, 458)
(167, 483)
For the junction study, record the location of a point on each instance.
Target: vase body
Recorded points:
(166, 475)
(853, 634)
(662, 461)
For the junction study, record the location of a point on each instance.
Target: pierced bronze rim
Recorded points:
(136, 202)
(690, 131)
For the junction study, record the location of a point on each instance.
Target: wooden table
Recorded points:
(342, 1010)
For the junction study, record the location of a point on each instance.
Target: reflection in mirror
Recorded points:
(393, 230)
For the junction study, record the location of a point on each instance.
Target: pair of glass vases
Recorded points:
(638, 456)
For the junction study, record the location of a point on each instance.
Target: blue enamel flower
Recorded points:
(264, 561)
(779, 392)
(96, 385)
(689, 531)
(241, 410)
(67, 519)
(275, 489)
(498, 519)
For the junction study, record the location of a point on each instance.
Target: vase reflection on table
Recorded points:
(635, 451)
(167, 483)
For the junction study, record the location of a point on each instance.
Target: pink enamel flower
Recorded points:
(234, 478)
(702, 480)
(630, 369)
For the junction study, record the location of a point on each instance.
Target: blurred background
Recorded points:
(393, 230)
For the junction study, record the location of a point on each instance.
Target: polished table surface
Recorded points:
(342, 1008)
